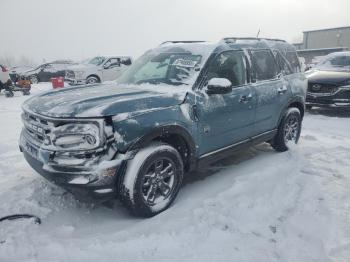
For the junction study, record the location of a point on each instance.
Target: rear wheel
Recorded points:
(152, 180)
(288, 132)
(26, 93)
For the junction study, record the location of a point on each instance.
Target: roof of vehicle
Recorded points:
(238, 43)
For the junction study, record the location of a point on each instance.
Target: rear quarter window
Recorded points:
(264, 65)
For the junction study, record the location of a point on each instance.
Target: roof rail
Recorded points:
(178, 42)
(252, 38)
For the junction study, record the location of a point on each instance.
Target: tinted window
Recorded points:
(265, 67)
(229, 65)
(335, 62)
(340, 61)
(112, 61)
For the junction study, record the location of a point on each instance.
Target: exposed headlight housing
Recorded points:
(79, 136)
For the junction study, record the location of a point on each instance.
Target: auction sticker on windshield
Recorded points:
(184, 63)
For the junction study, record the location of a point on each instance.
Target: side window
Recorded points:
(48, 68)
(282, 62)
(293, 61)
(265, 67)
(112, 62)
(340, 61)
(230, 65)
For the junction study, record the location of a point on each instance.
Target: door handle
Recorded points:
(282, 89)
(245, 98)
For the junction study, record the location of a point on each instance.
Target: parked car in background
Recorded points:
(45, 72)
(314, 61)
(17, 71)
(97, 70)
(329, 82)
(180, 105)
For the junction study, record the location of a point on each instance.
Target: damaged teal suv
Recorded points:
(179, 106)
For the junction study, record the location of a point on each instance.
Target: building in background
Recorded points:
(317, 43)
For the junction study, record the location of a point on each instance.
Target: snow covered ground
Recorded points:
(257, 205)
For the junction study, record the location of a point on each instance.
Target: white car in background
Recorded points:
(97, 70)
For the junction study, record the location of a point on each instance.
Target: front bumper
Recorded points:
(339, 99)
(88, 184)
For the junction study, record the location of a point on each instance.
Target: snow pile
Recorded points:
(257, 205)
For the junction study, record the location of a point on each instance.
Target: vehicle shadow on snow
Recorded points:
(75, 211)
(236, 158)
(331, 112)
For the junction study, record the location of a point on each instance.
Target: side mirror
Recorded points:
(219, 86)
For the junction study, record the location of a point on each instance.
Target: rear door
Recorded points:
(271, 88)
(226, 119)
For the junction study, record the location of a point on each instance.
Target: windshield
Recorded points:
(335, 62)
(98, 60)
(172, 66)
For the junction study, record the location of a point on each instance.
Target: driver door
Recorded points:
(226, 119)
(111, 69)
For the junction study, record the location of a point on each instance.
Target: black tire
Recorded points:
(92, 80)
(26, 93)
(308, 107)
(33, 79)
(143, 176)
(9, 93)
(288, 130)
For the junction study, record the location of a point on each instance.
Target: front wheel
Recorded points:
(152, 180)
(92, 80)
(288, 132)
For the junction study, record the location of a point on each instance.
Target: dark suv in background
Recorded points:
(329, 82)
(45, 72)
(180, 105)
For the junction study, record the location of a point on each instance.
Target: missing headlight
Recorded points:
(80, 136)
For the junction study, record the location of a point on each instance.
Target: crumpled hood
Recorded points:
(103, 100)
(328, 77)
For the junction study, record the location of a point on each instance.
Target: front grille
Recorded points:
(322, 89)
(70, 74)
(37, 128)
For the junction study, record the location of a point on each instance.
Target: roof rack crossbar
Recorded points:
(252, 38)
(178, 42)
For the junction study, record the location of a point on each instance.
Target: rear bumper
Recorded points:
(85, 184)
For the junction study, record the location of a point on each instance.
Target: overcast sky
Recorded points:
(76, 29)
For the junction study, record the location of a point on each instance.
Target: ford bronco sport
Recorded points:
(180, 105)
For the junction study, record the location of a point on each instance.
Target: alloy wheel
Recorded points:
(291, 129)
(159, 181)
